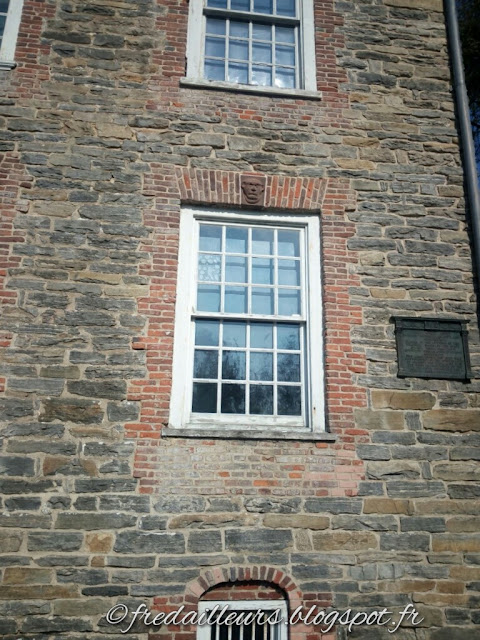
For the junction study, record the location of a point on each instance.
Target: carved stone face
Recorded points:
(252, 190)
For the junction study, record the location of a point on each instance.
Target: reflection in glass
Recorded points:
(238, 50)
(262, 301)
(288, 336)
(233, 365)
(233, 398)
(215, 47)
(285, 55)
(240, 5)
(261, 52)
(261, 366)
(289, 401)
(263, 6)
(238, 29)
(216, 26)
(286, 7)
(288, 302)
(206, 333)
(234, 334)
(261, 335)
(217, 4)
(208, 297)
(289, 243)
(209, 267)
(289, 272)
(288, 367)
(262, 242)
(235, 269)
(236, 240)
(210, 237)
(285, 78)
(204, 397)
(285, 34)
(262, 32)
(262, 75)
(238, 72)
(261, 399)
(205, 364)
(215, 69)
(235, 299)
(262, 271)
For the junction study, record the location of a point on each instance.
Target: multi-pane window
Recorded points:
(3, 18)
(10, 13)
(248, 290)
(253, 620)
(263, 43)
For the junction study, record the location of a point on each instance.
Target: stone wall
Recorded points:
(101, 145)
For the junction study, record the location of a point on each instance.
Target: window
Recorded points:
(254, 620)
(248, 323)
(257, 43)
(10, 13)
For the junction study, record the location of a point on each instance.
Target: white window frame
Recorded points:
(182, 375)
(10, 34)
(306, 50)
(280, 629)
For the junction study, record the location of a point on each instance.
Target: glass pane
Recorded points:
(288, 367)
(289, 401)
(262, 270)
(288, 336)
(233, 365)
(262, 76)
(238, 73)
(215, 70)
(261, 336)
(240, 5)
(289, 272)
(235, 300)
(262, 301)
(285, 55)
(233, 398)
(289, 243)
(286, 7)
(262, 52)
(234, 334)
(263, 6)
(288, 302)
(262, 241)
(261, 31)
(217, 4)
(261, 366)
(3, 20)
(238, 29)
(208, 297)
(205, 364)
(237, 240)
(285, 78)
(218, 27)
(4, 6)
(238, 50)
(206, 333)
(210, 238)
(215, 47)
(261, 400)
(204, 397)
(285, 34)
(235, 269)
(209, 267)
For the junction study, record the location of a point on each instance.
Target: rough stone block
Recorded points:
(140, 542)
(402, 400)
(452, 419)
(344, 541)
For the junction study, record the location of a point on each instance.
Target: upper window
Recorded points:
(10, 13)
(261, 43)
(249, 324)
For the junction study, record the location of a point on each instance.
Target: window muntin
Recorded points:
(270, 623)
(248, 328)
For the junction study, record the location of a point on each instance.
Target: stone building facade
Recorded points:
(105, 144)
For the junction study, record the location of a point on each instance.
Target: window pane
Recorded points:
(235, 269)
(262, 76)
(236, 240)
(205, 364)
(261, 366)
(233, 398)
(234, 334)
(262, 271)
(285, 55)
(209, 267)
(4, 6)
(286, 7)
(240, 5)
(288, 302)
(3, 20)
(261, 31)
(208, 297)
(288, 367)
(262, 301)
(217, 4)
(261, 336)
(218, 27)
(285, 34)
(261, 52)
(262, 241)
(204, 397)
(235, 300)
(289, 401)
(214, 70)
(288, 336)
(210, 238)
(238, 29)
(289, 272)
(238, 50)
(206, 333)
(233, 365)
(215, 47)
(285, 78)
(289, 243)
(263, 6)
(261, 400)
(238, 73)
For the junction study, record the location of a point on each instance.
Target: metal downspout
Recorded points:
(466, 137)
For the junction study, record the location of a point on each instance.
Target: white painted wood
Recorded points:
(9, 41)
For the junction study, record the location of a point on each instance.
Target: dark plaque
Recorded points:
(432, 348)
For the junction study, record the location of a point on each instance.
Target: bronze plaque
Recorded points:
(432, 348)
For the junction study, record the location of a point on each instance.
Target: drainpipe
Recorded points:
(466, 137)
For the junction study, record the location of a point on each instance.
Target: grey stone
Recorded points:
(139, 542)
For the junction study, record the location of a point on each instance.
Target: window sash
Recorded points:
(8, 38)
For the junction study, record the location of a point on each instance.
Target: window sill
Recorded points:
(7, 66)
(302, 94)
(249, 434)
